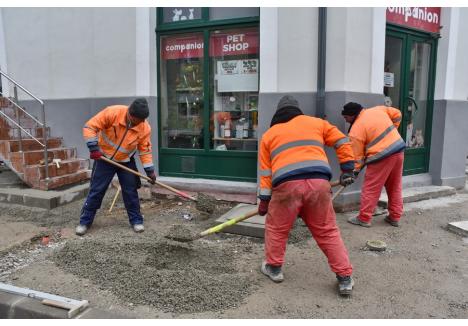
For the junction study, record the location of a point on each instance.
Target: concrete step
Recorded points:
(420, 193)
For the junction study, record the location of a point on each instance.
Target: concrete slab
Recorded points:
(209, 185)
(240, 198)
(460, 228)
(43, 199)
(253, 227)
(420, 193)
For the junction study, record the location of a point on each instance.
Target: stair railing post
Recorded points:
(44, 133)
(18, 118)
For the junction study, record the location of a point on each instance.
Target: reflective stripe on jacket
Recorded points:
(109, 127)
(374, 134)
(297, 147)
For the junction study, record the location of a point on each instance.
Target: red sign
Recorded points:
(234, 43)
(423, 18)
(180, 47)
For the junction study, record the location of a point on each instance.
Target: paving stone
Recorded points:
(6, 301)
(34, 309)
(254, 226)
(12, 198)
(420, 193)
(460, 228)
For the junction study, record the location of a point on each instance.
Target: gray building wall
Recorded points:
(80, 60)
(449, 144)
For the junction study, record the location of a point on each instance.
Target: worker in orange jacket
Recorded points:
(294, 180)
(378, 145)
(118, 132)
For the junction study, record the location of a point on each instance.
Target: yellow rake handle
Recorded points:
(232, 221)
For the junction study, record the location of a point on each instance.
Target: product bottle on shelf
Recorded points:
(245, 130)
(227, 129)
(240, 128)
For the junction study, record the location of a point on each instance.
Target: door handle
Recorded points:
(415, 104)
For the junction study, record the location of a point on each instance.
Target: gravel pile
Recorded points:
(171, 276)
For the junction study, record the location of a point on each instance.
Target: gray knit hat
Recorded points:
(139, 108)
(287, 101)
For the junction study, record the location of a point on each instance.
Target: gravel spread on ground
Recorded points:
(171, 276)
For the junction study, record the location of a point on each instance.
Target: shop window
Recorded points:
(217, 13)
(234, 69)
(182, 91)
(180, 14)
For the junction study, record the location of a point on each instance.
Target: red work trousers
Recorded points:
(311, 199)
(387, 172)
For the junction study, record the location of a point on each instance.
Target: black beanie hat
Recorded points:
(139, 108)
(287, 101)
(288, 108)
(351, 109)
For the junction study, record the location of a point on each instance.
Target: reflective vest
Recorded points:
(296, 147)
(374, 134)
(109, 129)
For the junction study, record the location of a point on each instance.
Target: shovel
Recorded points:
(234, 220)
(180, 193)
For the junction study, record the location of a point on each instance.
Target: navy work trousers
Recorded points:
(102, 177)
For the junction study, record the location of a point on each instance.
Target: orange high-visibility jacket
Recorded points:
(374, 134)
(297, 147)
(109, 127)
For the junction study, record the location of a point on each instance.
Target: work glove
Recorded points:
(347, 178)
(263, 207)
(150, 173)
(95, 154)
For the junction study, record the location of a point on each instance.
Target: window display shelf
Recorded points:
(190, 89)
(241, 139)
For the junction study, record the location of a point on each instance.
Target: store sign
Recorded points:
(389, 79)
(238, 75)
(182, 47)
(234, 43)
(423, 18)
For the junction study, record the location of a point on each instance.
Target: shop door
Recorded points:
(409, 86)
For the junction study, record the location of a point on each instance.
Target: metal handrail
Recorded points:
(24, 130)
(43, 124)
(18, 85)
(22, 109)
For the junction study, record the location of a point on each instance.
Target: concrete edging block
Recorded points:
(41, 202)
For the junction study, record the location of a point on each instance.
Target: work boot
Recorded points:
(356, 221)
(81, 229)
(138, 228)
(391, 222)
(345, 285)
(273, 272)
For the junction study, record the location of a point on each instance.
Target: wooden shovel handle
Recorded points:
(180, 193)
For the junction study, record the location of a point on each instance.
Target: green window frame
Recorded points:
(212, 163)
